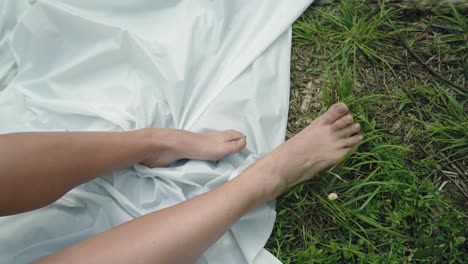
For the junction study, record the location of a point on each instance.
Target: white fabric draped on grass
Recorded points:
(86, 65)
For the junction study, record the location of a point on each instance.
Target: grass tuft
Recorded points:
(402, 196)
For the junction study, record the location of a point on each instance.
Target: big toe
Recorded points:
(335, 112)
(236, 146)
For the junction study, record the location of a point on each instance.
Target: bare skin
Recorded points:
(180, 234)
(319, 146)
(181, 144)
(64, 160)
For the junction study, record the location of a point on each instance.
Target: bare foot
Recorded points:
(175, 144)
(319, 146)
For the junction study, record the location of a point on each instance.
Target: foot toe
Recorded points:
(351, 141)
(236, 146)
(350, 130)
(335, 112)
(343, 122)
(232, 135)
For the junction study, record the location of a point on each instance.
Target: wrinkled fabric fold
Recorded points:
(85, 65)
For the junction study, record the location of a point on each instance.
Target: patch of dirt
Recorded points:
(434, 44)
(306, 91)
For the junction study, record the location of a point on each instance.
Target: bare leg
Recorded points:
(180, 234)
(38, 168)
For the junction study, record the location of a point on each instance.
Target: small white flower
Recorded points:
(332, 196)
(410, 257)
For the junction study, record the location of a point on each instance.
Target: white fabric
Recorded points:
(114, 65)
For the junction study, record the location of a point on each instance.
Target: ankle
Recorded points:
(159, 140)
(265, 180)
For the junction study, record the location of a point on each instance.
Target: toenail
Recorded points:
(357, 125)
(341, 109)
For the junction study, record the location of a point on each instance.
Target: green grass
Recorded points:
(398, 198)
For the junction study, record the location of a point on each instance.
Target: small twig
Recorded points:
(462, 189)
(443, 185)
(421, 61)
(458, 170)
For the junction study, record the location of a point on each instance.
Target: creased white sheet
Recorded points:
(86, 65)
